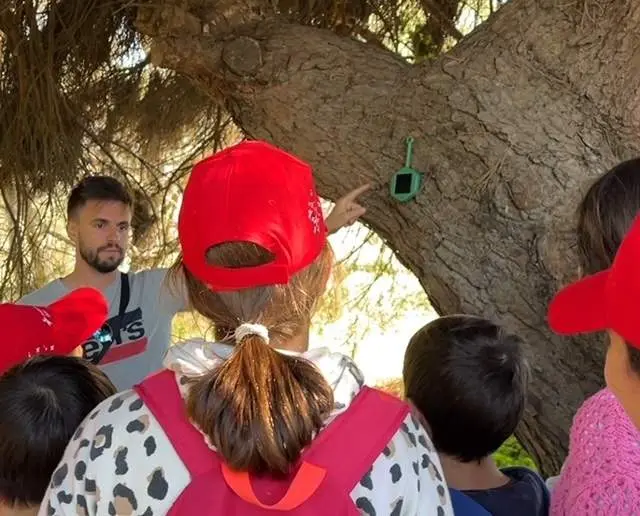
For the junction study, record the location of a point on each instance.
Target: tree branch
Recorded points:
(432, 8)
(519, 107)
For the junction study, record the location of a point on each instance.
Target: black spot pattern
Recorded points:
(59, 475)
(410, 435)
(441, 491)
(158, 486)
(81, 469)
(150, 445)
(355, 372)
(101, 442)
(338, 406)
(94, 414)
(366, 481)
(396, 473)
(122, 491)
(440, 511)
(135, 426)
(83, 444)
(89, 486)
(416, 423)
(397, 509)
(116, 403)
(50, 510)
(387, 451)
(148, 512)
(423, 441)
(81, 503)
(77, 433)
(438, 475)
(65, 498)
(136, 405)
(121, 460)
(112, 509)
(365, 506)
(425, 461)
(419, 485)
(184, 380)
(416, 467)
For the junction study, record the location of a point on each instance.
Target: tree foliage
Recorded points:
(79, 95)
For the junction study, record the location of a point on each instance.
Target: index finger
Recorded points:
(353, 194)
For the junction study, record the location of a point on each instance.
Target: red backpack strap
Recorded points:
(160, 393)
(351, 443)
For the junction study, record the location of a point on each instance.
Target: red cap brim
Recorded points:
(77, 317)
(580, 307)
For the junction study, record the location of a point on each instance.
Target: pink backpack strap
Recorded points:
(345, 449)
(349, 445)
(160, 393)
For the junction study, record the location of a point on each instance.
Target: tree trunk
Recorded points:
(510, 127)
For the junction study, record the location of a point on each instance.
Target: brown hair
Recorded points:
(97, 188)
(605, 215)
(260, 408)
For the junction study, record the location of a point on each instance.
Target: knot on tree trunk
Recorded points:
(242, 55)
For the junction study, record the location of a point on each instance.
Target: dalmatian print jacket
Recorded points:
(120, 462)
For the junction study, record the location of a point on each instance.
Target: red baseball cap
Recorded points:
(56, 329)
(251, 192)
(607, 300)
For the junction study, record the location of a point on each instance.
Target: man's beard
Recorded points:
(92, 257)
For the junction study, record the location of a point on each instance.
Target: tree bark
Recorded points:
(510, 127)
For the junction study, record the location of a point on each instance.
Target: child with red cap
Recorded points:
(254, 423)
(57, 329)
(44, 395)
(602, 472)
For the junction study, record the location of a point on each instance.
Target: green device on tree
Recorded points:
(406, 182)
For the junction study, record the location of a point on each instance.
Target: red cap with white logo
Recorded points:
(56, 329)
(251, 192)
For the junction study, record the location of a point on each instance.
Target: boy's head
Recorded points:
(42, 402)
(468, 377)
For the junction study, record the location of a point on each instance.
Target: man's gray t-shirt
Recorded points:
(141, 336)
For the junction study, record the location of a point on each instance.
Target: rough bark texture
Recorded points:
(510, 127)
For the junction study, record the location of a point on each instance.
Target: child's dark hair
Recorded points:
(468, 377)
(98, 188)
(605, 215)
(42, 403)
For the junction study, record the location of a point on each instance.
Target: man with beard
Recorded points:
(133, 342)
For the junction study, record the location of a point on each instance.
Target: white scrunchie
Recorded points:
(246, 329)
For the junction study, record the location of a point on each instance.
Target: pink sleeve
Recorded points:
(617, 494)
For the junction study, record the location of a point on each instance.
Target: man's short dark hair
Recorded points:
(98, 188)
(468, 377)
(42, 403)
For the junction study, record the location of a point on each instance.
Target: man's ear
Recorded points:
(72, 230)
